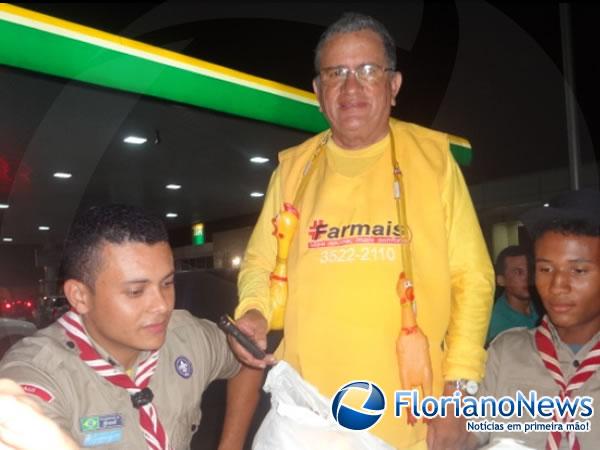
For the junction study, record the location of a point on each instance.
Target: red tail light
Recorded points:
(28, 304)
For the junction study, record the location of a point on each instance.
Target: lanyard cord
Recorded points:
(310, 168)
(399, 196)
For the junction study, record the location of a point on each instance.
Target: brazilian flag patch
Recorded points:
(461, 150)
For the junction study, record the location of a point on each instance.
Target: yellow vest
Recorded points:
(342, 316)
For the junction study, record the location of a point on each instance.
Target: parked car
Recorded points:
(16, 307)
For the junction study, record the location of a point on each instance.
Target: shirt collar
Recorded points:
(113, 361)
(558, 342)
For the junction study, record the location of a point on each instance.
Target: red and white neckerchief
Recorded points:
(547, 350)
(154, 433)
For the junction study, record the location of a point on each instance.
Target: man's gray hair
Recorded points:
(351, 22)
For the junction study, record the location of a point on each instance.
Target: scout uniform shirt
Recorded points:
(514, 364)
(97, 413)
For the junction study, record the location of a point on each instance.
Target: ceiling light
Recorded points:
(257, 194)
(546, 205)
(3, 205)
(173, 187)
(171, 215)
(62, 175)
(135, 140)
(7, 239)
(44, 228)
(259, 159)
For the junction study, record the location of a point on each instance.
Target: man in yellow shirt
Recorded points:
(342, 316)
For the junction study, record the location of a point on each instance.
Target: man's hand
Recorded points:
(24, 427)
(255, 326)
(447, 433)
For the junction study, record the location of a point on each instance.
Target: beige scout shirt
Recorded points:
(97, 413)
(514, 364)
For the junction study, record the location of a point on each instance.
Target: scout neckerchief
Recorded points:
(141, 395)
(587, 368)
(412, 348)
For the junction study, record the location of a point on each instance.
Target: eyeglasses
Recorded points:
(365, 73)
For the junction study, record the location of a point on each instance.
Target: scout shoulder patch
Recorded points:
(38, 391)
(460, 149)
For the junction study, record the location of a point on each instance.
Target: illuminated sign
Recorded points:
(198, 234)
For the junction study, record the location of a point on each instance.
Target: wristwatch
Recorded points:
(467, 386)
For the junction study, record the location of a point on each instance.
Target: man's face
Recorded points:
(133, 298)
(514, 278)
(358, 112)
(567, 276)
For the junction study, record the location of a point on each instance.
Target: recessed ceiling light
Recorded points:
(7, 239)
(257, 194)
(259, 159)
(43, 228)
(173, 186)
(62, 175)
(3, 205)
(135, 140)
(171, 215)
(546, 205)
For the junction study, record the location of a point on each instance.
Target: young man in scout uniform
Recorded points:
(121, 369)
(560, 357)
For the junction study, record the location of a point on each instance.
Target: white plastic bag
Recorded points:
(300, 418)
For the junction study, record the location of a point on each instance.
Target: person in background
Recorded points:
(514, 308)
(342, 319)
(122, 368)
(561, 356)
